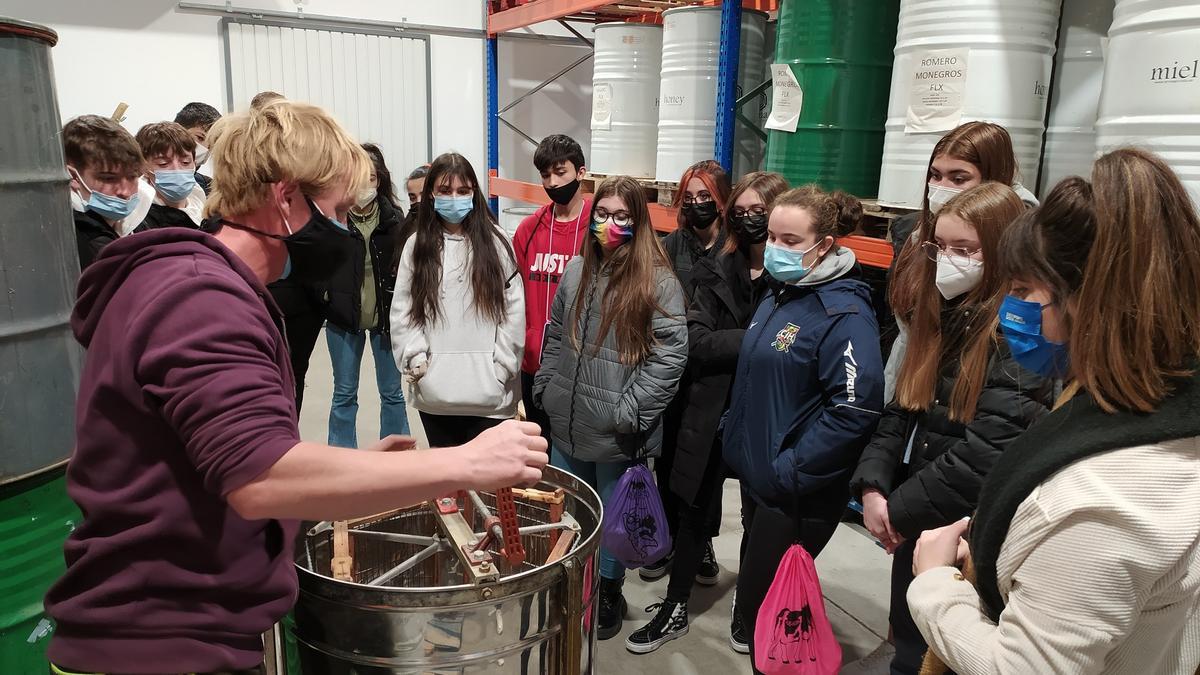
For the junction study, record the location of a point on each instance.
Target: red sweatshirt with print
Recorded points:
(543, 246)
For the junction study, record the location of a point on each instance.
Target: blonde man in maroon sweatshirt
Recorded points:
(189, 466)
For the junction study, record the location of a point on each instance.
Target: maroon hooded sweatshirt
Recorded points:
(186, 395)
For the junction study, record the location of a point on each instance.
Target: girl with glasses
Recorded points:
(1085, 540)
(613, 357)
(961, 396)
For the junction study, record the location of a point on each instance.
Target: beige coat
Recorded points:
(1100, 572)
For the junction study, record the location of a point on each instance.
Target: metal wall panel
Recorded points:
(376, 85)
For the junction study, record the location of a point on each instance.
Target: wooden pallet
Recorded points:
(657, 192)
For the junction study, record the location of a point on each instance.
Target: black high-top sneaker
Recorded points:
(657, 570)
(737, 630)
(670, 622)
(612, 608)
(709, 572)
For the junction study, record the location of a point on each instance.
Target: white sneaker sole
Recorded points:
(653, 646)
(738, 647)
(708, 581)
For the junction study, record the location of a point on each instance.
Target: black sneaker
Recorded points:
(612, 608)
(670, 622)
(657, 570)
(709, 572)
(737, 631)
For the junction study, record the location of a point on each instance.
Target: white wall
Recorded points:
(156, 59)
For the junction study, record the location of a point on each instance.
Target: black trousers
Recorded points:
(444, 431)
(910, 644)
(302, 333)
(770, 535)
(695, 528)
(532, 412)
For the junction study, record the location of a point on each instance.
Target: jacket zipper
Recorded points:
(587, 316)
(745, 369)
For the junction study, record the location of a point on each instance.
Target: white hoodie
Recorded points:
(472, 364)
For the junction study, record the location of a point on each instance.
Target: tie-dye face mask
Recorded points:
(611, 229)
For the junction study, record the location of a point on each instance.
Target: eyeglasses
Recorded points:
(739, 212)
(702, 198)
(619, 218)
(933, 249)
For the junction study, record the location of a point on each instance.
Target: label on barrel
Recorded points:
(602, 106)
(939, 86)
(787, 98)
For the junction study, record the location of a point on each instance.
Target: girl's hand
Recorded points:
(877, 521)
(941, 547)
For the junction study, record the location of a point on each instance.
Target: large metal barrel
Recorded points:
(1152, 84)
(536, 618)
(963, 61)
(691, 52)
(39, 261)
(1075, 93)
(841, 54)
(625, 98)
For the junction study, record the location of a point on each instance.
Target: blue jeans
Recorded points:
(346, 351)
(602, 476)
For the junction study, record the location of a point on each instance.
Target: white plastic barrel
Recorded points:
(687, 120)
(1151, 92)
(960, 61)
(1075, 95)
(628, 61)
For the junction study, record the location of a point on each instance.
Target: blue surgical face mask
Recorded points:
(453, 209)
(785, 264)
(1021, 323)
(175, 184)
(109, 207)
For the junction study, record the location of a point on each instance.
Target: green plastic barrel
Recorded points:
(841, 54)
(35, 517)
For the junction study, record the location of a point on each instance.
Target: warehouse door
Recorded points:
(376, 85)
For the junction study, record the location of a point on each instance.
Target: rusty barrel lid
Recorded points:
(11, 26)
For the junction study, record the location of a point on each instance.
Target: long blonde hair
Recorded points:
(631, 299)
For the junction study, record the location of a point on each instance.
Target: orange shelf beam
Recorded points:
(538, 11)
(869, 250)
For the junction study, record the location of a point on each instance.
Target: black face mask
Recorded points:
(563, 194)
(315, 251)
(750, 228)
(699, 215)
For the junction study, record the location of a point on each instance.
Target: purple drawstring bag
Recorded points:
(635, 523)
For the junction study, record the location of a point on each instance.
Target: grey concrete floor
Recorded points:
(854, 571)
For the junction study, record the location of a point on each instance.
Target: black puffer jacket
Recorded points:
(684, 250)
(940, 482)
(724, 301)
(343, 292)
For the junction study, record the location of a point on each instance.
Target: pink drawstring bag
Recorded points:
(792, 635)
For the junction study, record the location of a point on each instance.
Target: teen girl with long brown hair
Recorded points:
(968, 155)
(1085, 543)
(960, 396)
(458, 314)
(613, 356)
(728, 289)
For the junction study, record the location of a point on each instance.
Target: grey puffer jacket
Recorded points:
(600, 409)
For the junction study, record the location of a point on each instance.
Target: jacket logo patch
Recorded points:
(851, 371)
(784, 338)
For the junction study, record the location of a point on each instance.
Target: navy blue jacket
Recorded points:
(808, 391)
